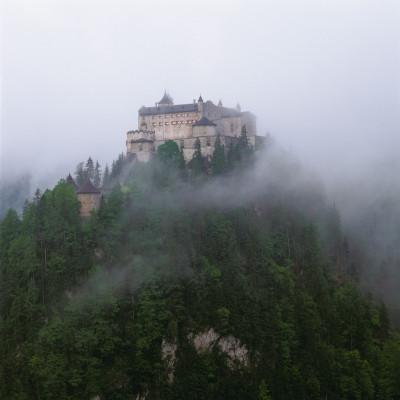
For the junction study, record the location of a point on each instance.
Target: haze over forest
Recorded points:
(322, 78)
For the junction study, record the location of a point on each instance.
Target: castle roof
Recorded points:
(204, 121)
(88, 187)
(171, 109)
(166, 99)
(70, 181)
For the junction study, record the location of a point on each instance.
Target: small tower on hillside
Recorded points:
(90, 198)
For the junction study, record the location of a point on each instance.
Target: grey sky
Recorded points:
(323, 77)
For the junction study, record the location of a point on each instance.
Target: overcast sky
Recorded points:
(323, 77)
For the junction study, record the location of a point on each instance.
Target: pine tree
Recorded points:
(89, 169)
(37, 196)
(218, 161)
(79, 174)
(198, 166)
(106, 175)
(97, 175)
(244, 150)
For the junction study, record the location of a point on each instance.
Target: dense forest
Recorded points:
(231, 279)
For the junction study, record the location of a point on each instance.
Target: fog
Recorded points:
(322, 78)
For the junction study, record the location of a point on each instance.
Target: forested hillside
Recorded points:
(224, 281)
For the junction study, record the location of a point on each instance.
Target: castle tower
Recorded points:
(165, 101)
(90, 198)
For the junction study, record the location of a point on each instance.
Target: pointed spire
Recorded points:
(166, 100)
(69, 178)
(70, 181)
(238, 108)
(200, 99)
(220, 103)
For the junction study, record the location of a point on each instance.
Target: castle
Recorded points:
(184, 123)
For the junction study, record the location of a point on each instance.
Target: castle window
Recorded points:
(161, 124)
(154, 116)
(167, 116)
(154, 124)
(140, 148)
(178, 115)
(208, 143)
(167, 123)
(182, 144)
(173, 122)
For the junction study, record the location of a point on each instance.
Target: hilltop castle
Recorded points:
(184, 123)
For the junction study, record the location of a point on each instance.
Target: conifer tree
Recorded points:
(80, 174)
(106, 175)
(89, 169)
(37, 196)
(218, 161)
(198, 166)
(244, 150)
(97, 175)
(241, 153)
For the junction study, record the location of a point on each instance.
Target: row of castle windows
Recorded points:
(188, 122)
(175, 115)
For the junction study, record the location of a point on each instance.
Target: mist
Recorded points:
(322, 78)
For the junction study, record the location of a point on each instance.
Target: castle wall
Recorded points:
(89, 201)
(204, 130)
(170, 125)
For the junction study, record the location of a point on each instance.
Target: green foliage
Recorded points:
(197, 164)
(93, 309)
(241, 154)
(218, 161)
(170, 164)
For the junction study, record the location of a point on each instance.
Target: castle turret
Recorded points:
(166, 100)
(204, 127)
(90, 198)
(70, 181)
